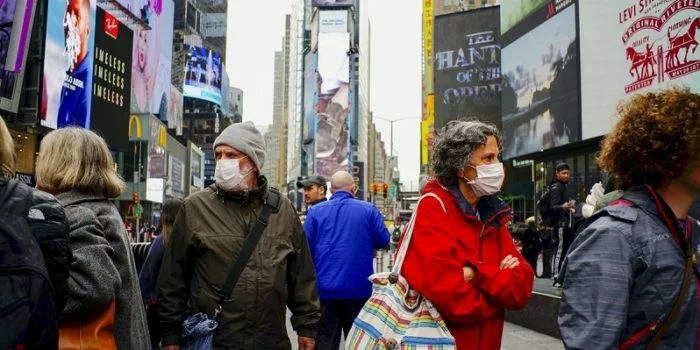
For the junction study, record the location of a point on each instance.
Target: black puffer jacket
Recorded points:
(47, 221)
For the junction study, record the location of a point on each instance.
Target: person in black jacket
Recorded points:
(563, 208)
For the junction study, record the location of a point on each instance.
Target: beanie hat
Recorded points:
(562, 167)
(246, 138)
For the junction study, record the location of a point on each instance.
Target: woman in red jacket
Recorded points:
(463, 258)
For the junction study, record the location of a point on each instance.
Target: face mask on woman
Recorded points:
(489, 179)
(229, 177)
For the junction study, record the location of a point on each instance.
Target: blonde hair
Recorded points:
(77, 159)
(7, 151)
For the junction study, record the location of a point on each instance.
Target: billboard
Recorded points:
(358, 174)
(310, 96)
(333, 21)
(333, 3)
(111, 93)
(14, 46)
(203, 74)
(176, 175)
(540, 97)
(427, 128)
(175, 106)
(631, 47)
(152, 58)
(514, 12)
(68, 74)
(333, 104)
(468, 67)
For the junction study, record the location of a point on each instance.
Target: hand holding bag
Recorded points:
(396, 317)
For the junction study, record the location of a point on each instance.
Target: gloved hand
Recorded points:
(597, 193)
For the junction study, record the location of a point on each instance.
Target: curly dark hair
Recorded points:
(454, 144)
(656, 140)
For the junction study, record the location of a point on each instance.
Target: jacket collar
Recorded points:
(489, 207)
(341, 195)
(75, 197)
(245, 196)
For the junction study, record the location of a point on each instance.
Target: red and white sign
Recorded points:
(111, 25)
(633, 46)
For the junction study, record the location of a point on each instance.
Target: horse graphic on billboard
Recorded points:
(642, 60)
(685, 43)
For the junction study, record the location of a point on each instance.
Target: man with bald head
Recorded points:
(343, 234)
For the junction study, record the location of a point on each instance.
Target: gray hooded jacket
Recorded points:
(103, 269)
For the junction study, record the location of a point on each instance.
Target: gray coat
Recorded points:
(103, 269)
(623, 274)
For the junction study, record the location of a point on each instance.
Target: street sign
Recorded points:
(392, 191)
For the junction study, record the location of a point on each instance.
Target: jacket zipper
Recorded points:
(483, 228)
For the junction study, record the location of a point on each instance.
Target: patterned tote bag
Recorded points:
(397, 317)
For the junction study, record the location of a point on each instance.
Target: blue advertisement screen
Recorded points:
(67, 83)
(203, 74)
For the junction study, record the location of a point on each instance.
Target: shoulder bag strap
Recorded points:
(271, 206)
(687, 277)
(401, 255)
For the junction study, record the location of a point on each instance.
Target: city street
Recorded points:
(514, 338)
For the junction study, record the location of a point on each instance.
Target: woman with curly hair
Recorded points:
(460, 235)
(630, 279)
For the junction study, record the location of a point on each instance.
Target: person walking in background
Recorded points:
(343, 234)
(103, 278)
(532, 245)
(475, 271)
(29, 306)
(561, 210)
(208, 235)
(630, 280)
(314, 190)
(148, 276)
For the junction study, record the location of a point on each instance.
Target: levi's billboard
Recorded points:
(630, 47)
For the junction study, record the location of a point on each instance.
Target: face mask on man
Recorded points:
(489, 179)
(229, 177)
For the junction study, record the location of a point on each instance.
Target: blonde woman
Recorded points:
(75, 165)
(28, 317)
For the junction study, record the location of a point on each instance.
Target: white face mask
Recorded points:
(489, 179)
(229, 177)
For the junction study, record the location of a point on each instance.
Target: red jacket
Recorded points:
(443, 244)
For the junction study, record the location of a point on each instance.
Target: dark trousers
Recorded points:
(336, 316)
(154, 328)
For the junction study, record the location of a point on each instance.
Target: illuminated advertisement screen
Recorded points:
(152, 58)
(111, 93)
(68, 74)
(630, 47)
(333, 104)
(468, 67)
(333, 3)
(203, 74)
(540, 97)
(310, 93)
(175, 104)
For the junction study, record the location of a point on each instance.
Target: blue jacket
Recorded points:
(343, 233)
(148, 276)
(623, 274)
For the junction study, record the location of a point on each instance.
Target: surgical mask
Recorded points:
(489, 179)
(229, 177)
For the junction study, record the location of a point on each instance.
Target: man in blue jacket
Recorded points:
(343, 234)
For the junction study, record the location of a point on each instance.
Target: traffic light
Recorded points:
(385, 187)
(374, 188)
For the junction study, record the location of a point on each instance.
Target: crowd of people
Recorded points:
(231, 260)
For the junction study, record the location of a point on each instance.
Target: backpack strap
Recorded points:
(273, 200)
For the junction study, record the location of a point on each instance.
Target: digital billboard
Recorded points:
(111, 93)
(175, 106)
(68, 69)
(514, 12)
(203, 74)
(17, 19)
(631, 47)
(152, 58)
(333, 21)
(468, 67)
(540, 97)
(333, 3)
(333, 104)
(310, 96)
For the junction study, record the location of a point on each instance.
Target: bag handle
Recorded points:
(271, 206)
(401, 255)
